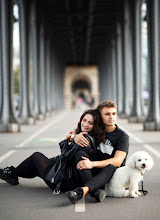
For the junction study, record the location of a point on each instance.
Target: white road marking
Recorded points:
(8, 154)
(147, 146)
(80, 205)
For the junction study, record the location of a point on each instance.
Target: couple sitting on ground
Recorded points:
(92, 168)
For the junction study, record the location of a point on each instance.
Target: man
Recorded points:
(110, 155)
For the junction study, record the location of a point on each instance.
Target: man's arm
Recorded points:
(115, 161)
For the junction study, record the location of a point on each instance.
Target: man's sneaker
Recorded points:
(75, 195)
(8, 175)
(99, 195)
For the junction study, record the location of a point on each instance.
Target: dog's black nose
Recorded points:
(143, 165)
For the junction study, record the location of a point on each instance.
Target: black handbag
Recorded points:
(59, 172)
(62, 169)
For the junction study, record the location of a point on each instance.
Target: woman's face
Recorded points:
(87, 123)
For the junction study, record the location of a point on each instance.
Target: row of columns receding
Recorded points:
(120, 69)
(47, 68)
(123, 85)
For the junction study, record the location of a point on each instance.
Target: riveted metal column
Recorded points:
(101, 81)
(152, 121)
(126, 60)
(54, 81)
(61, 85)
(114, 78)
(42, 90)
(58, 90)
(119, 68)
(0, 68)
(136, 113)
(34, 48)
(48, 72)
(109, 74)
(103, 78)
(25, 115)
(8, 123)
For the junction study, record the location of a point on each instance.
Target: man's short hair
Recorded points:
(107, 103)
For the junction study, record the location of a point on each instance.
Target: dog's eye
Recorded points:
(139, 160)
(145, 159)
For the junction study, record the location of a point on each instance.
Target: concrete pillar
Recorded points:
(119, 68)
(126, 60)
(136, 112)
(8, 122)
(152, 121)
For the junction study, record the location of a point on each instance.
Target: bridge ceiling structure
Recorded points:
(82, 28)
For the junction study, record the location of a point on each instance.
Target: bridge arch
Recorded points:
(81, 81)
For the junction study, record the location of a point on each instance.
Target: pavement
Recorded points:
(33, 200)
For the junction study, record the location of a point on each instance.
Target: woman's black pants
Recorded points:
(94, 178)
(35, 165)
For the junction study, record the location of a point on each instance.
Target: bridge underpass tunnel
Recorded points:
(81, 94)
(83, 48)
(81, 88)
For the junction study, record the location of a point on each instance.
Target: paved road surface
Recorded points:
(33, 200)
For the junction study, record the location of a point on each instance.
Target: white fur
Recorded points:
(129, 176)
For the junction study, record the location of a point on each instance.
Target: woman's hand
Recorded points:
(84, 164)
(81, 140)
(68, 135)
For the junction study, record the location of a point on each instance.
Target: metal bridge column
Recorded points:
(42, 88)
(109, 74)
(136, 112)
(114, 77)
(54, 80)
(48, 72)
(25, 116)
(8, 121)
(34, 48)
(119, 68)
(126, 60)
(152, 121)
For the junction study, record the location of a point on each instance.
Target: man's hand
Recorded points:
(84, 164)
(81, 140)
(68, 135)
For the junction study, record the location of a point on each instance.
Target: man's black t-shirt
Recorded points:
(116, 140)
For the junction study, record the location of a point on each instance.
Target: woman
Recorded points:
(39, 165)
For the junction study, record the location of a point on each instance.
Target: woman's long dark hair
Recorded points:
(98, 131)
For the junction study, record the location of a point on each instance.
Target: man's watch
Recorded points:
(72, 136)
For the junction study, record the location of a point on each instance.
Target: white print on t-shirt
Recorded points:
(106, 147)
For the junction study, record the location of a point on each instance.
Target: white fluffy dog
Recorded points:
(129, 176)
